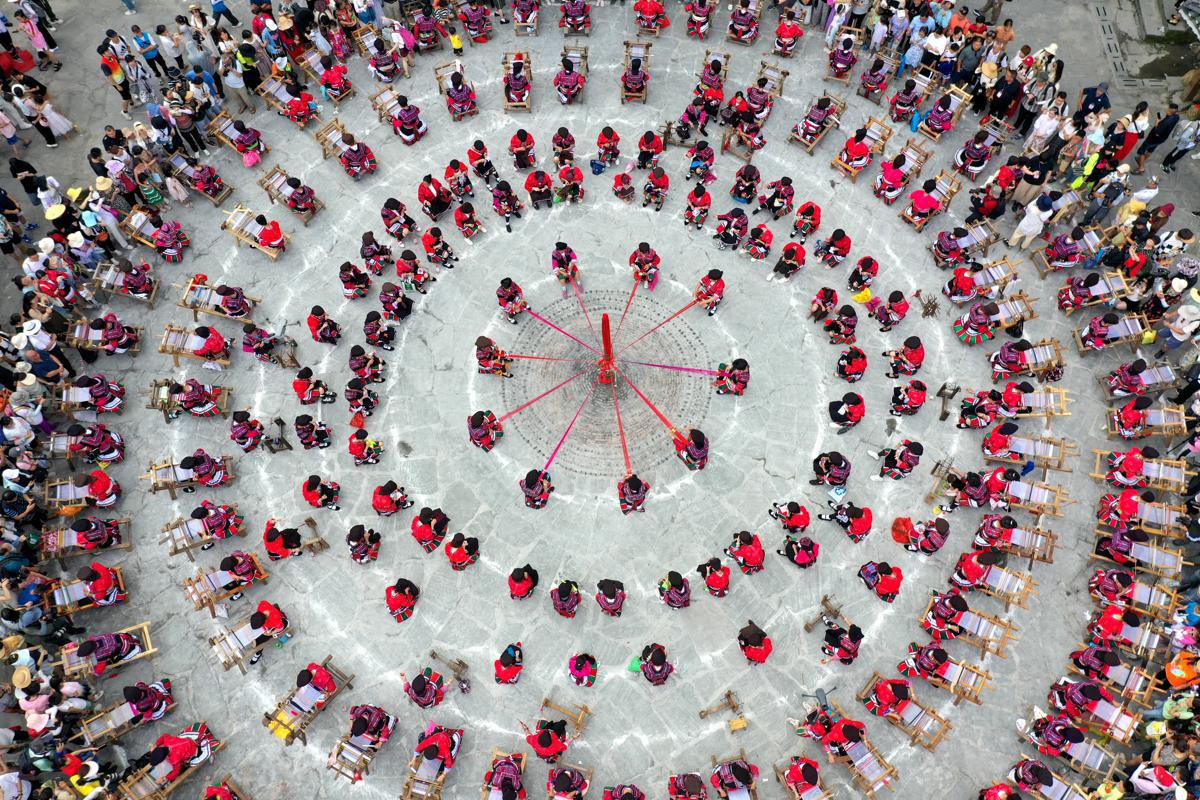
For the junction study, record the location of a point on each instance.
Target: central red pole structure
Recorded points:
(606, 359)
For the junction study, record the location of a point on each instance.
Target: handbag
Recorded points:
(250, 158)
(598, 166)
(914, 122)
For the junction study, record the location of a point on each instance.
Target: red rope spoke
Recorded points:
(579, 295)
(696, 370)
(662, 417)
(576, 339)
(621, 430)
(656, 327)
(549, 358)
(550, 391)
(632, 292)
(567, 432)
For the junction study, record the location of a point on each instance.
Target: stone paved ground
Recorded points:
(763, 444)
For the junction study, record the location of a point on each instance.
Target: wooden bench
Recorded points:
(298, 709)
(364, 37)
(578, 56)
(146, 783)
(107, 279)
(1112, 286)
(754, 8)
(506, 67)
(1155, 379)
(998, 132)
(1134, 684)
(959, 101)
(351, 758)
(550, 793)
(1038, 498)
(1046, 452)
(79, 668)
(774, 75)
(1164, 474)
(818, 792)
(1168, 422)
(241, 225)
(738, 144)
(1157, 518)
(168, 476)
(385, 102)
(1035, 544)
(1155, 559)
(63, 543)
(1046, 355)
(979, 239)
(1128, 329)
(947, 185)
(81, 336)
(1010, 587)
(1060, 789)
(161, 398)
(1088, 758)
(915, 157)
(1155, 600)
(984, 632)
(878, 133)
(235, 645)
(530, 27)
(641, 52)
(184, 534)
(179, 342)
(63, 497)
(329, 136)
(1094, 240)
(136, 226)
(1118, 722)
(441, 74)
(1066, 208)
(221, 128)
(110, 724)
(891, 62)
(69, 597)
(918, 721)
(274, 92)
(488, 793)
(995, 276)
(869, 771)
(310, 62)
(1048, 402)
(70, 399)
(834, 120)
(186, 173)
(274, 183)
(963, 680)
(207, 590)
(857, 35)
(201, 298)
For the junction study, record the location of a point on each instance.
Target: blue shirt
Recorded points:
(206, 77)
(219, 5)
(923, 25)
(143, 39)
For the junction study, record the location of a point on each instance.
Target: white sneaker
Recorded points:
(873, 454)
(130, 12)
(795, 723)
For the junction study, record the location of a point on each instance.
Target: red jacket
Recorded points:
(759, 654)
(556, 747)
(890, 584)
(506, 674)
(862, 526)
(655, 145)
(752, 553)
(532, 182)
(276, 621)
(311, 496)
(661, 183)
(382, 502)
(430, 242)
(214, 343)
(719, 580)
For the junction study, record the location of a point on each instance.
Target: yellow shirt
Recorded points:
(456, 41)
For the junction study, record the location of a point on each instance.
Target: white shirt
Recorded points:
(40, 340)
(14, 787)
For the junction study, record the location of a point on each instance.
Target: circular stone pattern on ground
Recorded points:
(594, 448)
